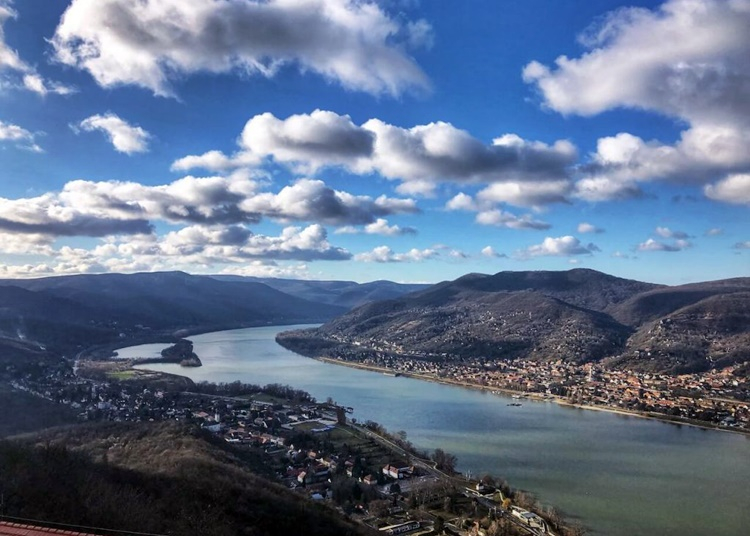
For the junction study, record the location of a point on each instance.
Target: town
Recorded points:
(714, 398)
(370, 475)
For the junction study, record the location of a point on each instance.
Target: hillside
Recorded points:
(156, 478)
(341, 293)
(577, 316)
(65, 312)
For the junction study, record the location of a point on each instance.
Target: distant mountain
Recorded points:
(342, 293)
(577, 315)
(65, 312)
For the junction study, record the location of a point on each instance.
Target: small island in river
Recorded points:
(181, 353)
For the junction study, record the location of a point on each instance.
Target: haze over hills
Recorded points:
(64, 312)
(343, 293)
(578, 316)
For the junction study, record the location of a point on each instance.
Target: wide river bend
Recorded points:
(620, 475)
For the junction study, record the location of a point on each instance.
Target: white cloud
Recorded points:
(733, 189)
(218, 245)
(688, 59)
(124, 137)
(620, 255)
(312, 200)
(714, 231)
(98, 209)
(585, 227)
(378, 227)
(202, 247)
(564, 246)
(11, 61)
(666, 232)
(37, 84)
(18, 136)
(441, 152)
(488, 215)
(9, 58)
(742, 245)
(461, 201)
(600, 188)
(211, 160)
(153, 42)
(384, 254)
(489, 251)
(526, 194)
(268, 269)
(529, 173)
(655, 245)
(309, 142)
(500, 218)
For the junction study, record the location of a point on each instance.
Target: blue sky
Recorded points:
(402, 140)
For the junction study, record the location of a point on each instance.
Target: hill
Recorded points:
(65, 312)
(577, 315)
(341, 293)
(156, 478)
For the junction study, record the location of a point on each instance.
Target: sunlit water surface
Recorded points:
(619, 475)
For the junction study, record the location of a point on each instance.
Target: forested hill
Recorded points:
(578, 315)
(155, 478)
(64, 313)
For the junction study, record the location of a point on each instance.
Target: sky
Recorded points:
(408, 140)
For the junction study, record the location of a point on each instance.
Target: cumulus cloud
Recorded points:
(18, 136)
(688, 59)
(564, 246)
(584, 227)
(666, 232)
(384, 254)
(99, 209)
(526, 194)
(655, 245)
(714, 231)
(602, 188)
(198, 248)
(45, 215)
(488, 215)
(489, 251)
(733, 189)
(742, 245)
(262, 268)
(528, 173)
(500, 218)
(312, 200)
(153, 42)
(378, 227)
(124, 137)
(218, 245)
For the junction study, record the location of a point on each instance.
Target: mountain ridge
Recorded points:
(577, 315)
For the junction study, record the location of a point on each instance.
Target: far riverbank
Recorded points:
(532, 396)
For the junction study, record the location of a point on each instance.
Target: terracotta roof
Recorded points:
(16, 529)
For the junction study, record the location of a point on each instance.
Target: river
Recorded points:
(619, 475)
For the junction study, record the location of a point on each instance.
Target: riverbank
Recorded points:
(562, 401)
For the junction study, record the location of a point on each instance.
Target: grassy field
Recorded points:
(22, 412)
(122, 374)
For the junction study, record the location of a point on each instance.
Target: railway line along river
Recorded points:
(620, 475)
